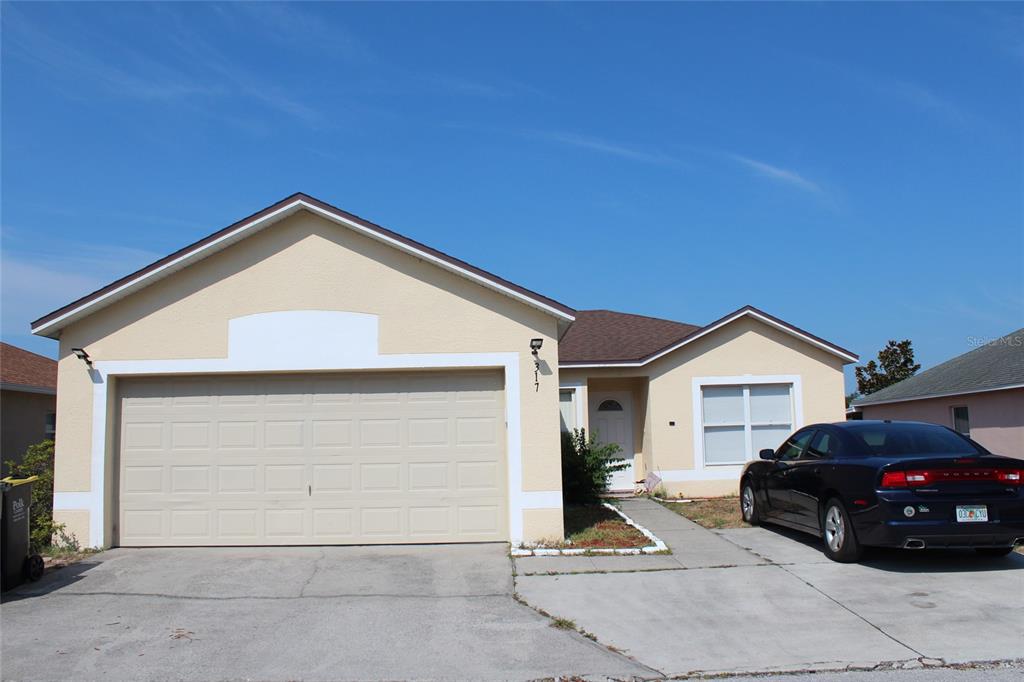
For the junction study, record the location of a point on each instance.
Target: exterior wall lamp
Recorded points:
(83, 356)
(535, 345)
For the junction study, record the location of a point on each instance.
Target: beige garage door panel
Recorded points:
(310, 459)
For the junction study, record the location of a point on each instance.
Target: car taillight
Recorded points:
(894, 479)
(907, 479)
(921, 477)
(1009, 476)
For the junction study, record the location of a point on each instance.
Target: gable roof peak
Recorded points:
(51, 323)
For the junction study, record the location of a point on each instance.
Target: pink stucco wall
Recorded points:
(997, 417)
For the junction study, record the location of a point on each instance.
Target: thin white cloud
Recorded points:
(195, 73)
(35, 280)
(903, 90)
(603, 146)
(777, 173)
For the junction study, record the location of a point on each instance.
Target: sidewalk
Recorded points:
(692, 546)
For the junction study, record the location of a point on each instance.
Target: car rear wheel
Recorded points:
(993, 551)
(840, 539)
(748, 505)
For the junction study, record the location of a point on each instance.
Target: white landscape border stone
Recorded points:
(656, 544)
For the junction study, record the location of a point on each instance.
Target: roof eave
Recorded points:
(930, 396)
(50, 325)
(751, 311)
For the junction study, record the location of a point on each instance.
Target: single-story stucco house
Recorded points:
(304, 376)
(980, 394)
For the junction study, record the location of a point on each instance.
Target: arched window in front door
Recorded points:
(609, 406)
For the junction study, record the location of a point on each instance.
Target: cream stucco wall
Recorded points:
(745, 346)
(308, 263)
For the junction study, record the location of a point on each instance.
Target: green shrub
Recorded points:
(587, 467)
(38, 461)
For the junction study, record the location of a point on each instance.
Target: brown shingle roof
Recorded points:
(609, 336)
(19, 367)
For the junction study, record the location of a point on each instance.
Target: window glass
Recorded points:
(609, 406)
(723, 405)
(567, 410)
(823, 445)
(961, 420)
(51, 426)
(754, 416)
(725, 445)
(795, 445)
(768, 437)
(895, 440)
(770, 404)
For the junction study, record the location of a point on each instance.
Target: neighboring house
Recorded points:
(304, 376)
(979, 393)
(28, 401)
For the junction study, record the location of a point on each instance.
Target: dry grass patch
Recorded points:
(596, 527)
(714, 512)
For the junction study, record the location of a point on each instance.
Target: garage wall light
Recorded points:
(535, 345)
(83, 356)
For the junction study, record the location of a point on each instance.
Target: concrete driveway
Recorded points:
(759, 599)
(307, 613)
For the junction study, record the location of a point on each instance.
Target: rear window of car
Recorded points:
(894, 440)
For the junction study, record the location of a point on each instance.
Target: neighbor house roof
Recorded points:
(26, 371)
(604, 338)
(994, 366)
(50, 324)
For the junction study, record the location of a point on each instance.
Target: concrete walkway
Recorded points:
(758, 599)
(691, 545)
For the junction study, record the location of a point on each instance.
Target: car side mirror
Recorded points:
(767, 453)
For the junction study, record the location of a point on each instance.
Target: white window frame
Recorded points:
(704, 471)
(579, 399)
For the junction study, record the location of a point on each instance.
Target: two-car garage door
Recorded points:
(312, 459)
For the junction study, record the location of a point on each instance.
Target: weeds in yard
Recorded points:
(563, 623)
(714, 512)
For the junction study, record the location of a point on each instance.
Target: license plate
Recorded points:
(969, 513)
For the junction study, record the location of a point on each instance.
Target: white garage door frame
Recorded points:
(295, 341)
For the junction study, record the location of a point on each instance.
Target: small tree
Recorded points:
(587, 467)
(895, 363)
(38, 461)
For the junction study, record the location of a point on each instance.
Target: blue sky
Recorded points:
(856, 169)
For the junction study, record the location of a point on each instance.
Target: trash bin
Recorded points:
(18, 565)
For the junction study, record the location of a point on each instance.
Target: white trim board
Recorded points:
(707, 330)
(257, 224)
(289, 341)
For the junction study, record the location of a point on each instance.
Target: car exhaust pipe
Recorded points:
(913, 543)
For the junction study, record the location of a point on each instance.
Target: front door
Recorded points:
(611, 420)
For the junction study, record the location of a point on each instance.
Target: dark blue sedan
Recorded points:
(887, 484)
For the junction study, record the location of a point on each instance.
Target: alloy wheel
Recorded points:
(747, 503)
(835, 529)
